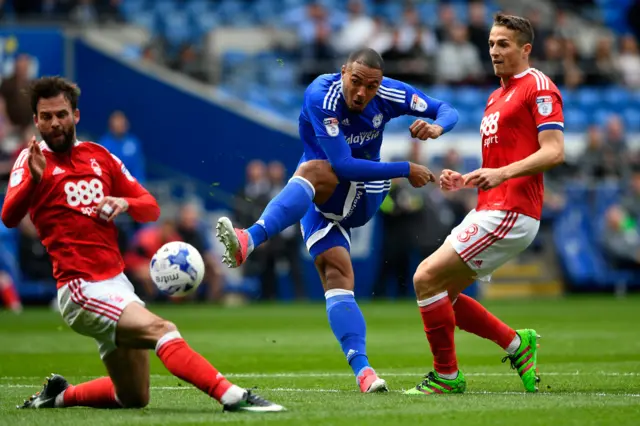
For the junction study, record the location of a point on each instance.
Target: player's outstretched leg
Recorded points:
(58, 393)
(433, 278)
(139, 328)
(521, 345)
(345, 318)
(313, 181)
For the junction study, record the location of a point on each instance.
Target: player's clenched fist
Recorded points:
(422, 130)
(451, 180)
(419, 175)
(110, 207)
(36, 160)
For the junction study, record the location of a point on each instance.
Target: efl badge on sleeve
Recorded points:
(331, 124)
(16, 177)
(418, 104)
(545, 105)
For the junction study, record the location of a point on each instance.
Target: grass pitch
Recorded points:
(589, 362)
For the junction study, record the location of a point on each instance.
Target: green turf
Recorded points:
(589, 361)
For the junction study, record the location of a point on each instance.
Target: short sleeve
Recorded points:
(545, 104)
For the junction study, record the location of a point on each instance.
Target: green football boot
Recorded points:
(434, 384)
(525, 360)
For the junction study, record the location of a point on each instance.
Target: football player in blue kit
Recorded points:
(341, 182)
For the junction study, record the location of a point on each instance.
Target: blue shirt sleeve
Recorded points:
(405, 99)
(324, 120)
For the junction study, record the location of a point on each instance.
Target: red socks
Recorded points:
(188, 365)
(98, 393)
(439, 325)
(472, 317)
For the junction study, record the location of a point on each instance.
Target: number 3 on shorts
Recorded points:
(469, 232)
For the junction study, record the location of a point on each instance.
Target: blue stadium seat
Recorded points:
(176, 28)
(130, 8)
(616, 97)
(146, 19)
(428, 12)
(588, 97)
(631, 118)
(204, 21)
(575, 120)
(470, 97)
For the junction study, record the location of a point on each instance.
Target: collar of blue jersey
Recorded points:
(45, 147)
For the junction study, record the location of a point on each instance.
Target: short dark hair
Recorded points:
(50, 87)
(367, 57)
(522, 26)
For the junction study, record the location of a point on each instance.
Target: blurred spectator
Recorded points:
(621, 239)
(633, 16)
(630, 202)
(33, 259)
(358, 29)
(124, 145)
(541, 34)
(285, 247)
(552, 65)
(190, 62)
(316, 50)
(603, 70)
(602, 159)
(192, 229)
(572, 65)
(458, 61)
(410, 65)
(446, 21)
(478, 30)
(629, 61)
(84, 12)
(249, 204)
(412, 224)
(13, 90)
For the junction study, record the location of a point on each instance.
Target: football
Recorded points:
(177, 268)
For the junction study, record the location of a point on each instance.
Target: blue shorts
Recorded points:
(352, 205)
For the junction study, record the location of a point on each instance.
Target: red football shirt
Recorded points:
(62, 206)
(529, 104)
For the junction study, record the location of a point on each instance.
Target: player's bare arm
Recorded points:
(550, 154)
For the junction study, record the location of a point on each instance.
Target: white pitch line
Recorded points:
(340, 374)
(299, 390)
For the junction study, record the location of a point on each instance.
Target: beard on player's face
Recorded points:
(60, 139)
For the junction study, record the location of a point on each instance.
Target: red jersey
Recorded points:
(513, 117)
(62, 206)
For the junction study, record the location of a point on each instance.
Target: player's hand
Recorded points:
(36, 160)
(422, 130)
(451, 180)
(419, 175)
(110, 207)
(484, 178)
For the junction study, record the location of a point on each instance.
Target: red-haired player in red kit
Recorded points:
(73, 191)
(522, 136)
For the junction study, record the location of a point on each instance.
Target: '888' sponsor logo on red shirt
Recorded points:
(84, 193)
(489, 128)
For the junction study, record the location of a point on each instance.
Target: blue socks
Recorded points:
(348, 326)
(286, 209)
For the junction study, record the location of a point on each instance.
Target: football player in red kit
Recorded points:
(73, 191)
(522, 136)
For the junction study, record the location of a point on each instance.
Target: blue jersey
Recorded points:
(329, 130)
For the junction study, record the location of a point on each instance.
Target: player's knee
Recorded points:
(139, 399)
(321, 175)
(160, 327)
(426, 277)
